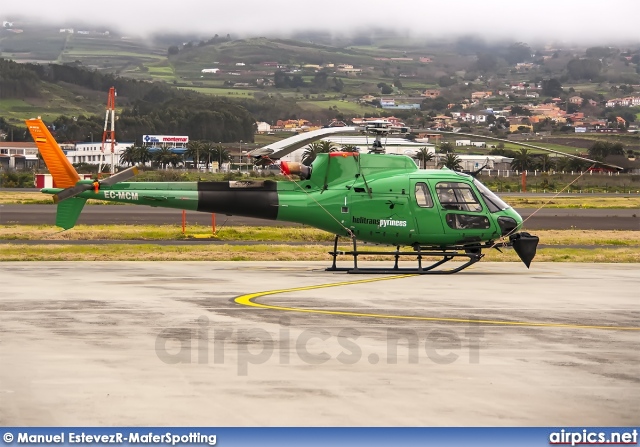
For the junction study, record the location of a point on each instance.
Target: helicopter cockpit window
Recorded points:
(423, 196)
(494, 202)
(457, 196)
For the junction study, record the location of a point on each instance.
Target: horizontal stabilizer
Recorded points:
(69, 211)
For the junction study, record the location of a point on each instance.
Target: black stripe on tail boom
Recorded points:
(249, 198)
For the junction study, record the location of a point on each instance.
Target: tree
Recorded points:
(551, 87)
(173, 50)
(320, 80)
(349, 148)
(600, 52)
(143, 155)
(164, 157)
(452, 161)
(424, 156)
(447, 81)
(312, 151)
(522, 160)
(385, 89)
(486, 62)
(127, 157)
(602, 149)
(446, 147)
(546, 162)
(194, 152)
(520, 110)
(439, 103)
(518, 52)
(584, 68)
(338, 85)
(281, 79)
(217, 153)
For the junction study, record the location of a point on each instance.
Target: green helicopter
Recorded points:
(373, 198)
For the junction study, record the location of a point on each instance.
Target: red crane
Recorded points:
(111, 133)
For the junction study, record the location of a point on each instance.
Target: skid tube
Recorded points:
(473, 255)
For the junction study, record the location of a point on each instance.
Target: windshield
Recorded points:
(494, 202)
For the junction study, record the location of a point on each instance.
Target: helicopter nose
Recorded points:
(510, 223)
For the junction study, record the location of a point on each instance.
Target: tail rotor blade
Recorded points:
(72, 192)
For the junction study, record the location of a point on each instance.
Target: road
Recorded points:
(545, 219)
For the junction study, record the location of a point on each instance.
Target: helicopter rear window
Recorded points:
(457, 196)
(494, 202)
(423, 196)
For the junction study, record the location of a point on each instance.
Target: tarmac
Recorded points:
(282, 344)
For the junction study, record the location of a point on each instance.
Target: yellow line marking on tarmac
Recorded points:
(248, 300)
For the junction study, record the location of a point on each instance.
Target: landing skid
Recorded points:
(447, 255)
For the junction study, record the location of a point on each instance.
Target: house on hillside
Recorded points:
(576, 100)
(480, 95)
(431, 93)
(263, 127)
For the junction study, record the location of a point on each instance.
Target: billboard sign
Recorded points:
(165, 139)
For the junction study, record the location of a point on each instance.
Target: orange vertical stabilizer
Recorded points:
(63, 173)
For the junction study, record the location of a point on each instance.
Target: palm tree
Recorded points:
(349, 148)
(522, 160)
(424, 156)
(143, 155)
(327, 146)
(194, 152)
(312, 151)
(546, 162)
(217, 153)
(128, 156)
(452, 161)
(164, 157)
(176, 159)
(207, 153)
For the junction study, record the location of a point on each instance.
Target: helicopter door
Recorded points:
(426, 214)
(462, 212)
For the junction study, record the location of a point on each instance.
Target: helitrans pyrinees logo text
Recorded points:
(379, 222)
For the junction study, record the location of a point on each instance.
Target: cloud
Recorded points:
(544, 20)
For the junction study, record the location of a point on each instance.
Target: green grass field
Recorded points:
(222, 91)
(343, 106)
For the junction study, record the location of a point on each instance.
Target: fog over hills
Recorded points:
(587, 22)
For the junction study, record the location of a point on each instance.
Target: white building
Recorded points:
(17, 155)
(90, 152)
(463, 142)
(474, 162)
(263, 127)
(210, 70)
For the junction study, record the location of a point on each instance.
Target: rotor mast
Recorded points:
(109, 130)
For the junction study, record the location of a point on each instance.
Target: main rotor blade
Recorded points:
(284, 147)
(528, 145)
(120, 176)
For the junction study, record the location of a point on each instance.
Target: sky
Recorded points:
(589, 21)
